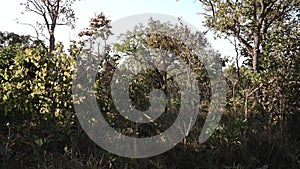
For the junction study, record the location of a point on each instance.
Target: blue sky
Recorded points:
(114, 9)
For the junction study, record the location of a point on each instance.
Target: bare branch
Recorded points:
(212, 8)
(36, 31)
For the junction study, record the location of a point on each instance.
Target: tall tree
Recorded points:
(53, 12)
(249, 21)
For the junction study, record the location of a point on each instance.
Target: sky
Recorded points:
(188, 10)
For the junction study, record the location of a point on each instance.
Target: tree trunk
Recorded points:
(256, 52)
(255, 60)
(52, 42)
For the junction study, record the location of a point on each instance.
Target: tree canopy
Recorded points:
(252, 22)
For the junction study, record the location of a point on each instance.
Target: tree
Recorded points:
(268, 33)
(168, 52)
(53, 12)
(10, 39)
(249, 21)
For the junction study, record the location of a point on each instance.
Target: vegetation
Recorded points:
(53, 13)
(260, 125)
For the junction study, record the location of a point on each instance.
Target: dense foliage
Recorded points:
(259, 128)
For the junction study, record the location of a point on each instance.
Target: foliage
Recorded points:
(99, 28)
(267, 31)
(250, 21)
(259, 128)
(10, 39)
(142, 48)
(27, 120)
